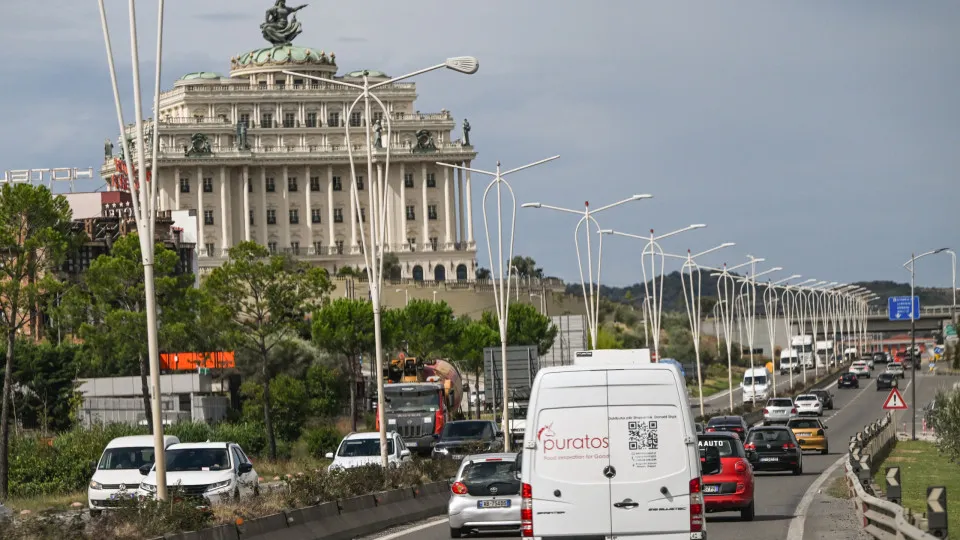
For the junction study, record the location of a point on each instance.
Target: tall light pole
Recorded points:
(751, 306)
(373, 251)
(143, 195)
(910, 265)
(726, 292)
(501, 265)
(953, 268)
(591, 300)
(770, 302)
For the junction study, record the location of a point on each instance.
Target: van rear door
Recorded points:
(571, 495)
(650, 457)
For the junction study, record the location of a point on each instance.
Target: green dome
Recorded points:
(282, 54)
(201, 75)
(370, 73)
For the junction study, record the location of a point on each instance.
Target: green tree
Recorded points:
(267, 296)
(34, 238)
(526, 267)
(46, 374)
(391, 267)
(290, 405)
(467, 351)
(426, 328)
(525, 326)
(483, 273)
(607, 339)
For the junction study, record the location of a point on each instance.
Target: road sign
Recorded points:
(951, 330)
(900, 307)
(893, 484)
(937, 510)
(895, 401)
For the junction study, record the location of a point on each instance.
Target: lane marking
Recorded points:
(405, 532)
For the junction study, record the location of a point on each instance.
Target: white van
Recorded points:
(610, 450)
(756, 383)
(117, 474)
(789, 361)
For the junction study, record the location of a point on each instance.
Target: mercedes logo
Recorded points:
(609, 471)
(493, 491)
(409, 421)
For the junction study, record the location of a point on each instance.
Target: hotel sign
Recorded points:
(37, 176)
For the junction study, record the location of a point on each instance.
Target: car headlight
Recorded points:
(148, 487)
(443, 451)
(95, 485)
(219, 485)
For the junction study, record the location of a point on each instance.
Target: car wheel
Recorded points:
(799, 470)
(456, 532)
(746, 514)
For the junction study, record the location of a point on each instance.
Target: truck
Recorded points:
(420, 398)
(804, 347)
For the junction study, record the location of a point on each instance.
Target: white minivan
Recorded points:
(610, 451)
(756, 384)
(117, 474)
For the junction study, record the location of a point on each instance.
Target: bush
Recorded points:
(250, 436)
(321, 440)
(190, 431)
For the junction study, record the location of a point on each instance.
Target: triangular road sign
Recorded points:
(895, 401)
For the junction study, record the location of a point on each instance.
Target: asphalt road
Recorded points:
(777, 494)
(721, 400)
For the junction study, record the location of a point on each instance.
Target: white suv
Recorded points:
(208, 471)
(359, 449)
(117, 474)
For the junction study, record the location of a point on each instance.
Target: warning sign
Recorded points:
(895, 401)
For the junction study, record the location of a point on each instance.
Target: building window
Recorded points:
(362, 218)
(272, 247)
(408, 180)
(411, 215)
(378, 117)
(271, 217)
(289, 120)
(262, 85)
(412, 241)
(315, 215)
(208, 185)
(431, 180)
(271, 185)
(295, 248)
(338, 215)
(432, 211)
(281, 85)
(292, 183)
(184, 185)
(433, 243)
(359, 183)
(251, 218)
(318, 248)
(208, 217)
(208, 248)
(339, 247)
(245, 119)
(312, 120)
(337, 184)
(314, 183)
(333, 119)
(249, 186)
(354, 119)
(294, 216)
(266, 120)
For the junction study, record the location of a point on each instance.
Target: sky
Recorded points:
(821, 136)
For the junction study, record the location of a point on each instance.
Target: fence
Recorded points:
(880, 518)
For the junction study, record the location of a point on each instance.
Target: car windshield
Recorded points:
(467, 430)
(727, 447)
(399, 401)
(117, 459)
(886, 376)
(780, 402)
(197, 459)
(723, 421)
(363, 447)
(769, 436)
(806, 423)
(489, 471)
(750, 381)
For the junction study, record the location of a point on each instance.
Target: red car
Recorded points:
(731, 488)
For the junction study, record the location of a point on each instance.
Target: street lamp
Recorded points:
(770, 302)
(748, 290)
(501, 290)
(143, 195)
(953, 308)
(726, 293)
(373, 254)
(592, 302)
(406, 296)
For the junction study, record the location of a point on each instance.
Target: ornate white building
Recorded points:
(262, 156)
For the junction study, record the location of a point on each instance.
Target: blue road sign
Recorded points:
(900, 307)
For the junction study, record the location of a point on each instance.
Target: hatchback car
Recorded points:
(887, 380)
(848, 380)
(465, 437)
(774, 448)
(731, 487)
(778, 411)
(860, 369)
(485, 494)
(808, 404)
(811, 434)
(205, 471)
(895, 368)
(359, 449)
(826, 398)
(731, 424)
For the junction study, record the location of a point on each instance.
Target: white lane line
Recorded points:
(420, 527)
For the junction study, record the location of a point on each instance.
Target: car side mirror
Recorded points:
(329, 455)
(145, 469)
(404, 453)
(710, 462)
(245, 468)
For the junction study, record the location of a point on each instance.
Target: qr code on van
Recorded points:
(643, 435)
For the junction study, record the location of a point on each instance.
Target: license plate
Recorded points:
(411, 444)
(711, 489)
(494, 503)
(127, 495)
(768, 459)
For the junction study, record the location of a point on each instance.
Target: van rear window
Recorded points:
(749, 381)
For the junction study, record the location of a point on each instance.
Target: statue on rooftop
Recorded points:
(242, 136)
(281, 25)
(378, 128)
(108, 150)
(466, 132)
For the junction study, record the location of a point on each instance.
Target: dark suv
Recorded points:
(826, 398)
(732, 424)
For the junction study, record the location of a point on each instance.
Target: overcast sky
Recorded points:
(823, 136)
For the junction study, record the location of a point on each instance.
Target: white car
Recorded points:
(208, 471)
(808, 404)
(359, 449)
(860, 369)
(117, 473)
(895, 368)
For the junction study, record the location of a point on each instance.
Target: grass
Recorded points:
(922, 465)
(838, 488)
(40, 503)
(269, 469)
(714, 382)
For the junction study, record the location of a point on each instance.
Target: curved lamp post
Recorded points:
(749, 290)
(770, 302)
(726, 292)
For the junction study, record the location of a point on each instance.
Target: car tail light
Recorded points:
(793, 410)
(696, 506)
(749, 446)
(459, 488)
(741, 487)
(711, 430)
(526, 511)
(740, 467)
(789, 446)
(766, 411)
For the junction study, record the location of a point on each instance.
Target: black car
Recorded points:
(774, 448)
(826, 398)
(887, 380)
(464, 437)
(848, 380)
(732, 424)
(880, 358)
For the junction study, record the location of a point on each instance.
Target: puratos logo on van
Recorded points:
(552, 443)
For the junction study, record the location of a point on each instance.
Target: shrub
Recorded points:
(250, 436)
(321, 440)
(190, 431)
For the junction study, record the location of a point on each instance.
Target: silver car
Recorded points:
(778, 411)
(485, 495)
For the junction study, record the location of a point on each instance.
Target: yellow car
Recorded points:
(811, 433)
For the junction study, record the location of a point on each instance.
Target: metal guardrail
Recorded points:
(880, 519)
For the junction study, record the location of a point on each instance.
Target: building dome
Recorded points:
(280, 56)
(201, 75)
(371, 73)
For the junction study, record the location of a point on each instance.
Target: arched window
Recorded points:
(461, 272)
(418, 273)
(439, 273)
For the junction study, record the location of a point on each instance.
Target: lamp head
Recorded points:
(728, 244)
(530, 205)
(641, 196)
(464, 64)
(941, 250)
(697, 226)
(606, 231)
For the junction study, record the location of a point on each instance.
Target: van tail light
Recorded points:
(750, 446)
(740, 467)
(789, 446)
(526, 511)
(459, 488)
(793, 410)
(696, 506)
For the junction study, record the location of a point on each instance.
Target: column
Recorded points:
(246, 203)
(460, 215)
(264, 235)
(469, 209)
(330, 223)
(201, 239)
(176, 188)
(448, 223)
(163, 192)
(224, 211)
(402, 214)
(424, 213)
(285, 227)
(384, 204)
(308, 213)
(352, 186)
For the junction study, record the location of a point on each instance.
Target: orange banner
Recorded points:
(190, 361)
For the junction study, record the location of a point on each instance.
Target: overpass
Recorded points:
(932, 318)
